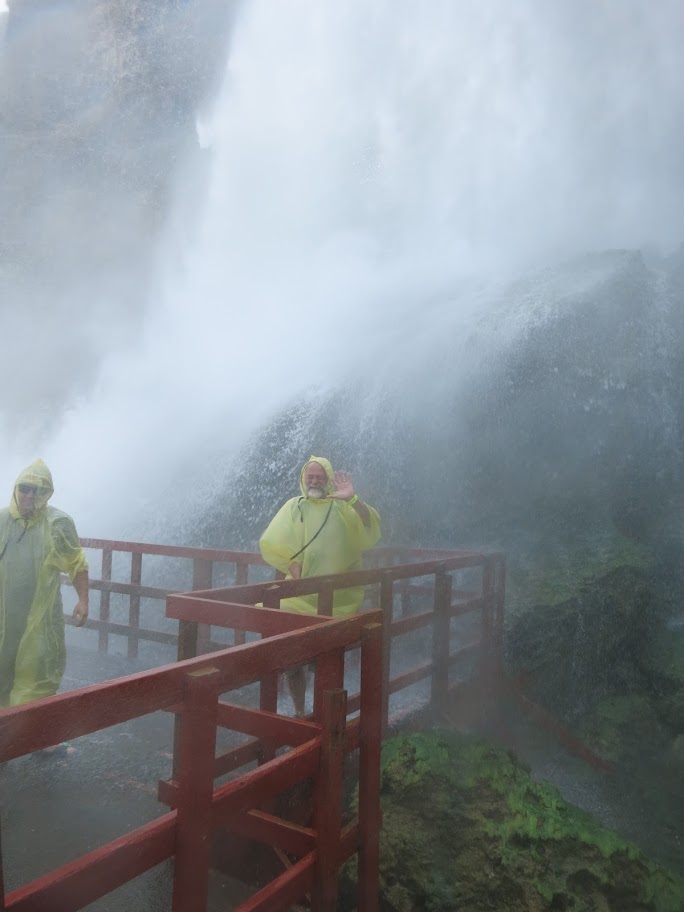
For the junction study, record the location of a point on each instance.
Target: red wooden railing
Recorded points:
(192, 689)
(201, 563)
(419, 583)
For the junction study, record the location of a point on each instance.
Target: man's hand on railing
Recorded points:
(80, 614)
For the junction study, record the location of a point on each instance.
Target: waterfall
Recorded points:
(372, 172)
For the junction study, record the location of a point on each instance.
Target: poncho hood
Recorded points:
(327, 468)
(39, 475)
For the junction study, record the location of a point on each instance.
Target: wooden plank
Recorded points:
(274, 831)
(279, 895)
(103, 639)
(261, 724)
(195, 789)
(86, 879)
(64, 717)
(371, 726)
(328, 801)
(410, 623)
(134, 605)
(142, 633)
(266, 621)
(440, 644)
(248, 791)
(212, 554)
(412, 676)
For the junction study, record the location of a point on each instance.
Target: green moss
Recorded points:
(465, 827)
(663, 657)
(563, 573)
(618, 724)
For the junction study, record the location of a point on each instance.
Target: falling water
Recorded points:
(372, 169)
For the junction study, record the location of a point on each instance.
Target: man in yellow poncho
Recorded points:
(37, 543)
(322, 532)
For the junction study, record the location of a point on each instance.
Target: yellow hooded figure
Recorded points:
(37, 544)
(322, 532)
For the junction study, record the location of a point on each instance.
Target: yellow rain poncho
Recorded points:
(33, 553)
(336, 549)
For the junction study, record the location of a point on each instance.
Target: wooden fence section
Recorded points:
(192, 689)
(202, 563)
(426, 598)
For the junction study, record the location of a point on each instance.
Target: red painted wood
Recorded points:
(349, 841)
(281, 893)
(103, 639)
(328, 801)
(212, 554)
(2, 876)
(202, 573)
(386, 609)
(270, 830)
(440, 644)
(325, 597)
(241, 579)
(265, 621)
(195, 787)
(371, 724)
(251, 789)
(329, 676)
(268, 701)
(487, 646)
(238, 757)
(412, 676)
(411, 623)
(546, 720)
(134, 606)
(271, 597)
(86, 879)
(278, 729)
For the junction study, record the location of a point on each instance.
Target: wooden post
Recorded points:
(202, 574)
(487, 627)
(271, 597)
(328, 801)
(105, 600)
(241, 579)
(405, 597)
(370, 743)
(2, 876)
(187, 649)
(195, 788)
(325, 598)
(329, 676)
(387, 608)
(268, 701)
(499, 618)
(441, 634)
(134, 605)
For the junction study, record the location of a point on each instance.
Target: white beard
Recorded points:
(315, 493)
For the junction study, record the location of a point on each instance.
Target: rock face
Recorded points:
(97, 108)
(465, 828)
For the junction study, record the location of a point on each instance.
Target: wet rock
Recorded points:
(466, 828)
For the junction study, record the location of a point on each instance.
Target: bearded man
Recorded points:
(324, 531)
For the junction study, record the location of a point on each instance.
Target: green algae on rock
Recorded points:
(466, 828)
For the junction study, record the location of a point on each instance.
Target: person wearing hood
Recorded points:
(37, 544)
(324, 531)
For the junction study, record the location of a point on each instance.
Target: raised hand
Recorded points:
(344, 489)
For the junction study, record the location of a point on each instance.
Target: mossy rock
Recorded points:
(675, 755)
(620, 724)
(663, 658)
(563, 573)
(465, 828)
